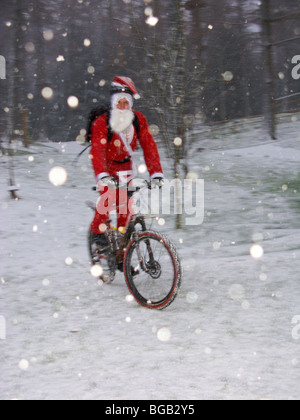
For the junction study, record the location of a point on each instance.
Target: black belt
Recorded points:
(128, 159)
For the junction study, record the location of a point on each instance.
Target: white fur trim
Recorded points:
(102, 175)
(115, 99)
(127, 141)
(117, 84)
(157, 175)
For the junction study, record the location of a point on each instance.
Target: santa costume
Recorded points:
(112, 155)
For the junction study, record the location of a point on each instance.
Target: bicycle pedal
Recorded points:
(95, 260)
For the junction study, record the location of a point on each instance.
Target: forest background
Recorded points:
(190, 59)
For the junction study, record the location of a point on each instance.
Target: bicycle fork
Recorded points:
(145, 267)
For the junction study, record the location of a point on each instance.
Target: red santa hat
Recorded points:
(123, 84)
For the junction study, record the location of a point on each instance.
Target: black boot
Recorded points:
(121, 267)
(100, 240)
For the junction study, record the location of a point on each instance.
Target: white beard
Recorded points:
(121, 120)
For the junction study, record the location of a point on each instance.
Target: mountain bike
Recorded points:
(149, 260)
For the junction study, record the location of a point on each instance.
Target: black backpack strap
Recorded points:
(136, 124)
(109, 130)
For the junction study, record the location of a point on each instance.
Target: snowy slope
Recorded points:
(228, 335)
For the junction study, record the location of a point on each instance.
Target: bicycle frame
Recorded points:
(135, 255)
(117, 248)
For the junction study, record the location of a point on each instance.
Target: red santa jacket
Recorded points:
(106, 156)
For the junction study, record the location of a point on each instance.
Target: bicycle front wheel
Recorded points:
(152, 270)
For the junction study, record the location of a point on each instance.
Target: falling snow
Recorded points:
(73, 102)
(233, 331)
(58, 176)
(47, 93)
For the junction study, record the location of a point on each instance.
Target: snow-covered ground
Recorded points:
(230, 333)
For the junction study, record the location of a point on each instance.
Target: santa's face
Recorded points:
(122, 101)
(123, 104)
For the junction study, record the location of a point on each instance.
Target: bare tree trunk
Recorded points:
(181, 80)
(24, 116)
(269, 95)
(13, 104)
(168, 69)
(11, 182)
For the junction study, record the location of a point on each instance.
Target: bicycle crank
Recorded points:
(154, 269)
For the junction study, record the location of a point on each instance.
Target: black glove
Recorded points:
(110, 182)
(157, 182)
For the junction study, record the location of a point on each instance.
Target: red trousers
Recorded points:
(111, 199)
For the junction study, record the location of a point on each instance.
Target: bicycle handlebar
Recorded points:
(147, 184)
(130, 188)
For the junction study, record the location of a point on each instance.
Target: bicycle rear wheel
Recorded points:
(152, 270)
